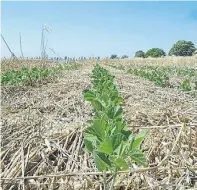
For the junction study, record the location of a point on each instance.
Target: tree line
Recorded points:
(180, 48)
(66, 58)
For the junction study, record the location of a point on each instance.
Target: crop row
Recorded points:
(29, 76)
(161, 76)
(177, 71)
(158, 77)
(112, 146)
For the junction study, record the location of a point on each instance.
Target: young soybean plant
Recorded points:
(107, 138)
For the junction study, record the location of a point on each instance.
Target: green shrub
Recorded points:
(182, 48)
(140, 53)
(155, 52)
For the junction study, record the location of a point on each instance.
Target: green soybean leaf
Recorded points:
(101, 161)
(106, 147)
(119, 148)
(121, 163)
(114, 112)
(118, 111)
(88, 145)
(118, 127)
(97, 105)
(116, 140)
(118, 100)
(89, 95)
(127, 134)
(138, 156)
(90, 134)
(114, 95)
(105, 97)
(100, 127)
(139, 138)
(122, 149)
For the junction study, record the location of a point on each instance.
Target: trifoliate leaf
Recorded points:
(106, 147)
(138, 156)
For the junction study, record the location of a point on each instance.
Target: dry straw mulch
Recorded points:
(41, 145)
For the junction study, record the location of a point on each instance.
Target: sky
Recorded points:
(96, 28)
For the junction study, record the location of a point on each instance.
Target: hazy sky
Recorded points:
(97, 28)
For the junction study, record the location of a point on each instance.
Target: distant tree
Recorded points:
(65, 57)
(98, 58)
(124, 57)
(113, 56)
(155, 52)
(182, 48)
(140, 53)
(195, 53)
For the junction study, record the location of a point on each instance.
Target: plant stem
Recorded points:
(114, 178)
(104, 180)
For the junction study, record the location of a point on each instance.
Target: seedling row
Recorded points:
(161, 76)
(31, 75)
(112, 146)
